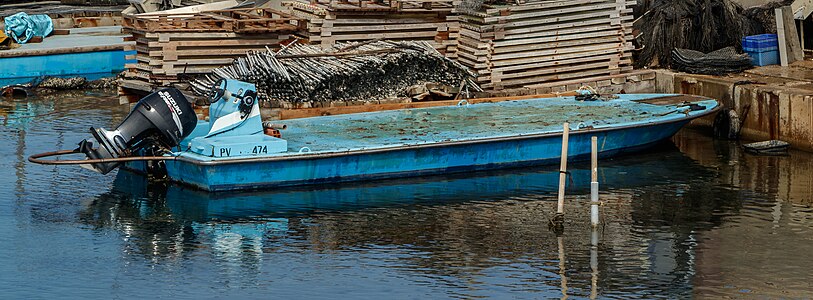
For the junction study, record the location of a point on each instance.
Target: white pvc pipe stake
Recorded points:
(594, 182)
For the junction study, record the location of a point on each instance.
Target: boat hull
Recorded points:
(410, 161)
(25, 69)
(92, 52)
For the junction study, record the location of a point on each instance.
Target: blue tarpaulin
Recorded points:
(22, 27)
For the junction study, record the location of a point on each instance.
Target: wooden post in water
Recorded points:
(560, 209)
(594, 182)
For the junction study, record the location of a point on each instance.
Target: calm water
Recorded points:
(698, 219)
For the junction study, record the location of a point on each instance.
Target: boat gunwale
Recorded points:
(306, 156)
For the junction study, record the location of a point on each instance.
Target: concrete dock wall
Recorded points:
(770, 107)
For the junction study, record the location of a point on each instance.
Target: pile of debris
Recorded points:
(700, 25)
(366, 71)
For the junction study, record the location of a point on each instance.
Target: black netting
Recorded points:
(702, 25)
(719, 62)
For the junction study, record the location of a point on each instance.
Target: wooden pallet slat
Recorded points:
(168, 47)
(332, 22)
(536, 42)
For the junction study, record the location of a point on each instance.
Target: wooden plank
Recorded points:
(793, 45)
(389, 36)
(327, 111)
(545, 5)
(38, 52)
(566, 59)
(203, 52)
(587, 79)
(541, 6)
(273, 43)
(153, 61)
(535, 56)
(558, 69)
(188, 35)
(388, 27)
(536, 31)
(498, 53)
(780, 33)
(180, 69)
(550, 13)
(383, 21)
(542, 21)
(617, 33)
(555, 77)
(605, 61)
(503, 59)
(135, 84)
(191, 10)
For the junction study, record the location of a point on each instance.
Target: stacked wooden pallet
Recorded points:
(330, 22)
(538, 42)
(169, 46)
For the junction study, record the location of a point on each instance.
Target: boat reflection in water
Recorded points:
(183, 204)
(460, 225)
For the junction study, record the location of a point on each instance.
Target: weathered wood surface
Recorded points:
(546, 41)
(789, 34)
(39, 52)
(331, 22)
(171, 44)
(341, 110)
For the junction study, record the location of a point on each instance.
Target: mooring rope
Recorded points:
(37, 158)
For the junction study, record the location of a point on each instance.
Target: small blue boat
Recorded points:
(415, 142)
(235, 150)
(93, 53)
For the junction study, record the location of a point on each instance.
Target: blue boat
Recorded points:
(436, 140)
(235, 150)
(93, 53)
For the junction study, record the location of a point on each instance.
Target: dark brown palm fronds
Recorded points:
(365, 71)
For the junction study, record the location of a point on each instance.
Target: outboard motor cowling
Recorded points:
(162, 119)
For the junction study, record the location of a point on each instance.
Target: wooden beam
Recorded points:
(342, 110)
(790, 49)
(38, 52)
(780, 34)
(792, 35)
